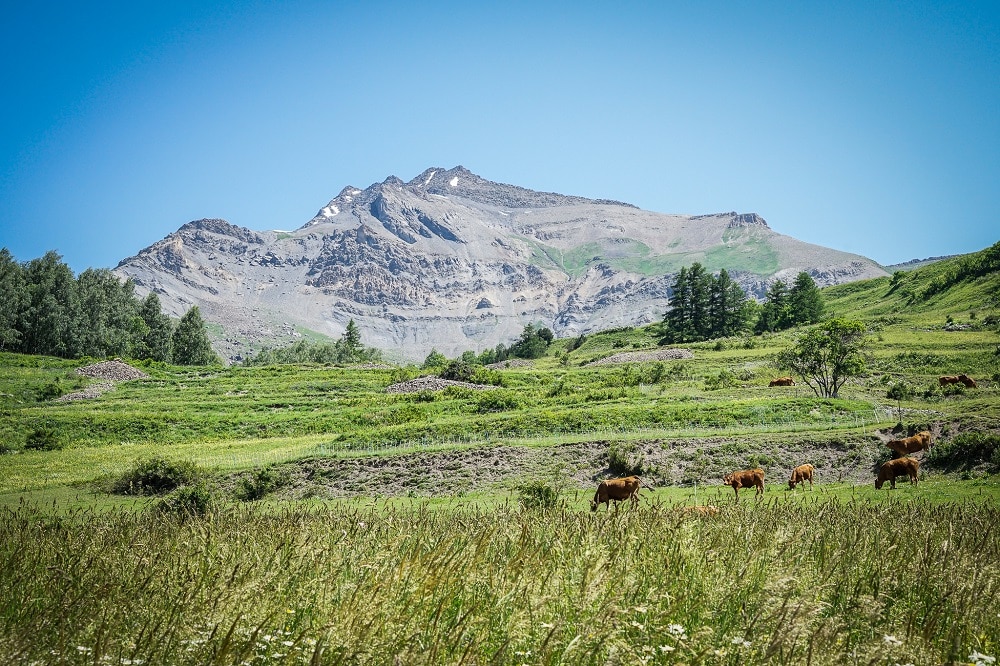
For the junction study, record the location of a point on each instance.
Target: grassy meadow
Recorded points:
(321, 519)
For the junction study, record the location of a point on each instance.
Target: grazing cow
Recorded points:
(967, 380)
(707, 511)
(782, 381)
(801, 474)
(626, 488)
(897, 467)
(944, 380)
(919, 442)
(746, 479)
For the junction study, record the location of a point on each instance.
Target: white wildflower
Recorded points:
(675, 629)
(638, 625)
(891, 640)
(83, 648)
(546, 625)
(667, 648)
(288, 643)
(740, 641)
(980, 659)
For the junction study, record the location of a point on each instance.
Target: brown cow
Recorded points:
(801, 474)
(897, 467)
(967, 380)
(912, 444)
(626, 488)
(745, 479)
(700, 510)
(944, 380)
(782, 381)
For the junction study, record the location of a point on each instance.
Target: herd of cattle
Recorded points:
(627, 488)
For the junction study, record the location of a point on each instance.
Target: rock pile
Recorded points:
(115, 371)
(644, 356)
(110, 372)
(510, 363)
(432, 384)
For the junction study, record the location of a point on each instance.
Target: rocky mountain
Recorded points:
(452, 261)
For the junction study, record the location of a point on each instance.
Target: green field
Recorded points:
(326, 520)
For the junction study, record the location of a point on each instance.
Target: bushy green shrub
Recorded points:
(156, 476)
(497, 400)
(44, 439)
(725, 379)
(966, 450)
(188, 501)
(625, 459)
(538, 494)
(256, 485)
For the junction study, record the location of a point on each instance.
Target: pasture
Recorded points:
(329, 521)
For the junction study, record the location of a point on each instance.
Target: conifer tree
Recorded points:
(805, 301)
(775, 313)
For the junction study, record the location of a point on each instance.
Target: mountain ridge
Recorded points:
(452, 261)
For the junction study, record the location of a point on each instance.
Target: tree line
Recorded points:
(45, 309)
(704, 306)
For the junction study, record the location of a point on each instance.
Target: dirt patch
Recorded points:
(579, 465)
(645, 356)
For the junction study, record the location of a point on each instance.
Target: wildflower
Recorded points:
(675, 629)
(640, 609)
(980, 659)
(667, 648)
(290, 611)
(740, 641)
(891, 640)
(268, 638)
(637, 625)
(83, 648)
(546, 625)
(287, 643)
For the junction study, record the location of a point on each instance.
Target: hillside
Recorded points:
(452, 261)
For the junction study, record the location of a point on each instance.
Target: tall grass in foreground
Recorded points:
(822, 582)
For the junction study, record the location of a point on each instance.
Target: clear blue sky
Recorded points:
(870, 127)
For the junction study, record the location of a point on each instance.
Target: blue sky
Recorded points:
(868, 127)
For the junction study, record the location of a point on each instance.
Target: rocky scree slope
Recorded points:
(452, 261)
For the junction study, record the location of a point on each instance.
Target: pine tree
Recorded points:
(805, 300)
(191, 345)
(775, 313)
(676, 319)
(699, 281)
(350, 343)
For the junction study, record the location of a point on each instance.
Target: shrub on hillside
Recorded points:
(156, 476)
(44, 439)
(970, 449)
(538, 494)
(256, 485)
(625, 459)
(188, 501)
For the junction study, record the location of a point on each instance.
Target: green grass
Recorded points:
(764, 582)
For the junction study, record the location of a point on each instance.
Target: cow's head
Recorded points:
(878, 483)
(593, 505)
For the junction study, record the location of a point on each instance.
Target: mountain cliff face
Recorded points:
(452, 261)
